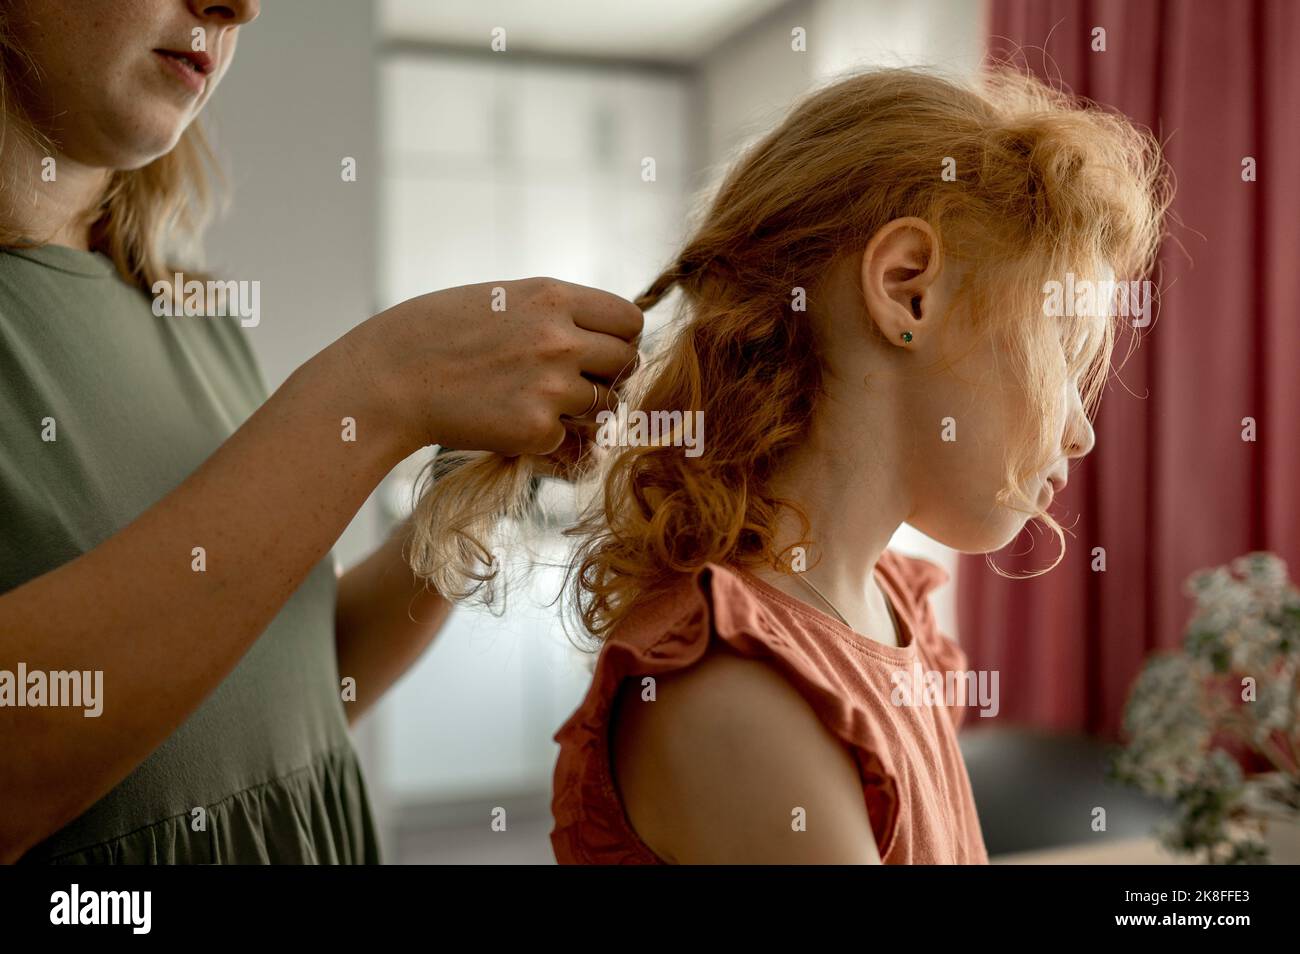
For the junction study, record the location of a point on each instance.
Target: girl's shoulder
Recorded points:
(717, 639)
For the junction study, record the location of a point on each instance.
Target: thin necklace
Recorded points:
(898, 630)
(809, 584)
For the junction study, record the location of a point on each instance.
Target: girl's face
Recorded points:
(118, 81)
(975, 412)
(931, 421)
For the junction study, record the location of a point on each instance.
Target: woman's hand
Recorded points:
(492, 366)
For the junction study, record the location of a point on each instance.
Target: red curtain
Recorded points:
(1171, 485)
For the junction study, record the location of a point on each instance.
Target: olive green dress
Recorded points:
(138, 402)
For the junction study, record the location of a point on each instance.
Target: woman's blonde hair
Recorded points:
(1039, 185)
(144, 214)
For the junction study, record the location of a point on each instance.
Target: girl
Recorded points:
(167, 524)
(863, 330)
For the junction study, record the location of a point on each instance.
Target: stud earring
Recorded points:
(907, 337)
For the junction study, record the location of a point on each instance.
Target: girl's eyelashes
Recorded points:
(1072, 359)
(1074, 344)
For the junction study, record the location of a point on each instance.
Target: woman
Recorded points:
(864, 333)
(167, 525)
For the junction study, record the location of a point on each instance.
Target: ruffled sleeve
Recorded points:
(591, 825)
(918, 578)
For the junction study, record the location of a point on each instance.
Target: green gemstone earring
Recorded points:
(907, 337)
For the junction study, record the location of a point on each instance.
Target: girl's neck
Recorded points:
(854, 506)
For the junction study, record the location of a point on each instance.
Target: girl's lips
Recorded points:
(1052, 486)
(180, 68)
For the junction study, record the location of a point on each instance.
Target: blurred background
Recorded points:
(475, 165)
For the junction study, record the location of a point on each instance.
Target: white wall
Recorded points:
(947, 34)
(747, 84)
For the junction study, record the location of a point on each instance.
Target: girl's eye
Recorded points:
(1070, 349)
(1079, 347)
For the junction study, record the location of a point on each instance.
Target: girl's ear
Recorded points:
(899, 268)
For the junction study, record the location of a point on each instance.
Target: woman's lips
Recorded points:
(181, 67)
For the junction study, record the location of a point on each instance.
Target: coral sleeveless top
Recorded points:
(914, 781)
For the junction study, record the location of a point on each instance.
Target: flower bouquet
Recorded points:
(1214, 727)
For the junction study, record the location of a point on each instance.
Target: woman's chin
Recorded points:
(146, 151)
(142, 141)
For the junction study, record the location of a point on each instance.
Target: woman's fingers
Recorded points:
(607, 357)
(497, 351)
(586, 399)
(604, 312)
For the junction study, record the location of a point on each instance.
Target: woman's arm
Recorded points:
(266, 507)
(385, 620)
(715, 770)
